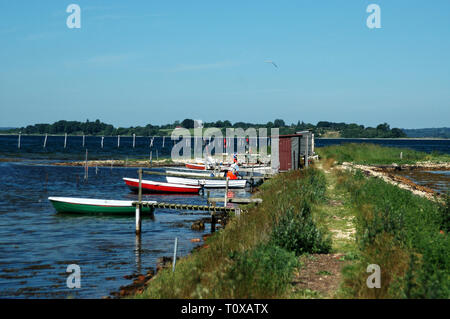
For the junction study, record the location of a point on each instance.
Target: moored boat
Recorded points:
(194, 173)
(161, 187)
(208, 183)
(200, 167)
(95, 206)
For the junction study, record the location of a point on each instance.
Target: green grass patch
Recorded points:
(366, 153)
(404, 234)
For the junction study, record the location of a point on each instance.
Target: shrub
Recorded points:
(262, 272)
(297, 232)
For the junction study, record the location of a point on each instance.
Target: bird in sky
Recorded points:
(271, 62)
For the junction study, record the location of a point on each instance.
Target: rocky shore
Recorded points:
(387, 173)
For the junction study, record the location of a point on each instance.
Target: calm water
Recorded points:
(37, 245)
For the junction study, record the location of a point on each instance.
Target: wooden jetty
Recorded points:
(139, 205)
(236, 200)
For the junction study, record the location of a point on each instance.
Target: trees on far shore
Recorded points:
(322, 128)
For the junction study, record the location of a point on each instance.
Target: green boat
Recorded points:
(96, 206)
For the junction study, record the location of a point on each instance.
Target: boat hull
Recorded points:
(208, 183)
(200, 167)
(193, 173)
(74, 206)
(158, 187)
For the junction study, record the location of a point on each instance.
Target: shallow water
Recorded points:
(37, 244)
(436, 180)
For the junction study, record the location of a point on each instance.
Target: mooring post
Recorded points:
(151, 156)
(213, 222)
(118, 141)
(164, 139)
(134, 140)
(101, 143)
(18, 142)
(84, 140)
(45, 140)
(86, 168)
(65, 140)
(175, 254)
(226, 193)
(139, 204)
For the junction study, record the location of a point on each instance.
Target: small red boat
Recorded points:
(160, 187)
(196, 166)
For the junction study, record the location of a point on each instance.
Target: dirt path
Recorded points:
(320, 274)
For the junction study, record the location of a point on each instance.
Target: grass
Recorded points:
(403, 234)
(246, 260)
(366, 153)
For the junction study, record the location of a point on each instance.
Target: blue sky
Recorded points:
(139, 62)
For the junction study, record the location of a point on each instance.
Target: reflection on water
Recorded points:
(37, 245)
(436, 180)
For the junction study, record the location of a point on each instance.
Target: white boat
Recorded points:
(208, 183)
(194, 173)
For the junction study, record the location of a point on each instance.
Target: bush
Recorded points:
(265, 271)
(297, 232)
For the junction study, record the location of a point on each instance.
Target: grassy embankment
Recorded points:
(255, 256)
(260, 254)
(365, 153)
(406, 235)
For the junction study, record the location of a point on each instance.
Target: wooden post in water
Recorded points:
(175, 248)
(86, 168)
(164, 139)
(226, 193)
(65, 140)
(151, 158)
(156, 154)
(213, 222)
(101, 143)
(139, 205)
(18, 142)
(84, 140)
(118, 141)
(45, 140)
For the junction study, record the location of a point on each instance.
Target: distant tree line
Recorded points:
(322, 128)
(441, 132)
